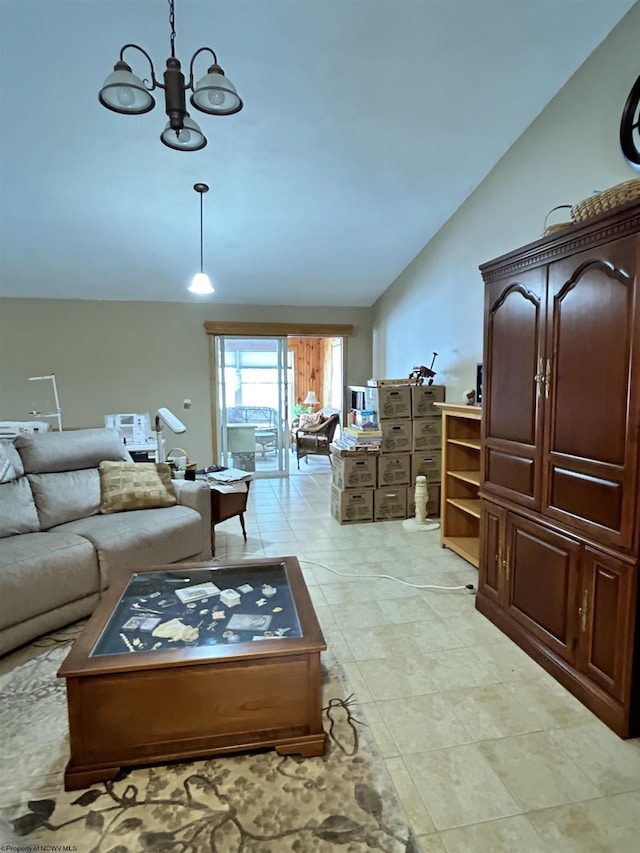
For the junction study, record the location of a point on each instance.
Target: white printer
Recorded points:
(12, 429)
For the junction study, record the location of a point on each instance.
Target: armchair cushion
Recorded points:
(306, 420)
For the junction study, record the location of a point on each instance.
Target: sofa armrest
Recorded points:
(197, 495)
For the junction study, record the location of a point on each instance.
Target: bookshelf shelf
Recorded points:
(460, 502)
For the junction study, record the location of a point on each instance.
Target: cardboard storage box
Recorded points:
(352, 505)
(427, 463)
(357, 473)
(427, 434)
(433, 501)
(394, 470)
(339, 452)
(394, 401)
(390, 503)
(422, 399)
(396, 436)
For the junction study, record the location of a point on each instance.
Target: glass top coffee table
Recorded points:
(192, 660)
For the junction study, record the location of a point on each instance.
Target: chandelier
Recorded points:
(214, 94)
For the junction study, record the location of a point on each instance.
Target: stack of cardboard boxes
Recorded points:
(379, 485)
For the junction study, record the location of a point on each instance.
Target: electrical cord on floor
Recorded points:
(389, 577)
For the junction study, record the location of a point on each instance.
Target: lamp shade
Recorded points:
(201, 284)
(310, 399)
(215, 94)
(125, 93)
(190, 138)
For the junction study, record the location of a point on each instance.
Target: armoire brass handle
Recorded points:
(539, 377)
(584, 611)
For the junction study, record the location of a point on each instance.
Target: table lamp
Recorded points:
(311, 400)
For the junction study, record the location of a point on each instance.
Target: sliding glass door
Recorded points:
(252, 376)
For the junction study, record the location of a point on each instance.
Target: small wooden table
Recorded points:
(224, 505)
(133, 705)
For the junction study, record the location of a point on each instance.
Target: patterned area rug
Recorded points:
(251, 803)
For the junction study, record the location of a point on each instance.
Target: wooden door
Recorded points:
(591, 444)
(607, 611)
(542, 581)
(492, 552)
(513, 360)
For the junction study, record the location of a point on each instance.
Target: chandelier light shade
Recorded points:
(216, 95)
(190, 138)
(201, 283)
(124, 92)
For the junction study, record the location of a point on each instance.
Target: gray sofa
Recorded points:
(58, 552)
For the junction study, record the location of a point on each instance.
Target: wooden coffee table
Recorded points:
(235, 684)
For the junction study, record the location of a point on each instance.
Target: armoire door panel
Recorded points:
(492, 553)
(586, 497)
(592, 313)
(513, 352)
(512, 414)
(511, 472)
(591, 422)
(606, 624)
(542, 583)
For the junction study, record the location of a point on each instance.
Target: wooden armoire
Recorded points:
(560, 507)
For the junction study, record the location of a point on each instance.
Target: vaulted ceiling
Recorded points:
(366, 124)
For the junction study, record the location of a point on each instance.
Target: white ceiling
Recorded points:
(366, 124)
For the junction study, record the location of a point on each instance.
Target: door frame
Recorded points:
(214, 329)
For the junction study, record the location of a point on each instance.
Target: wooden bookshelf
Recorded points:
(460, 503)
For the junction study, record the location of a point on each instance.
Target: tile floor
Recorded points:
(487, 751)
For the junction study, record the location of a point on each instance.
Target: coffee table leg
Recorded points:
(244, 529)
(213, 541)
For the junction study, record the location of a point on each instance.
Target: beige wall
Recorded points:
(136, 356)
(570, 150)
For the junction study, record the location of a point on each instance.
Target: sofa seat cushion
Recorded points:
(65, 496)
(18, 512)
(140, 538)
(42, 571)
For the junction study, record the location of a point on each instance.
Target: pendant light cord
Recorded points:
(201, 235)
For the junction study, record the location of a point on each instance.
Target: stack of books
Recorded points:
(352, 438)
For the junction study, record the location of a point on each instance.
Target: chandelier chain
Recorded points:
(172, 23)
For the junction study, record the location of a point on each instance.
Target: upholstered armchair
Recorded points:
(315, 440)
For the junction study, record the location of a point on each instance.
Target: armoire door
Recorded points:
(607, 595)
(591, 445)
(493, 521)
(513, 387)
(542, 583)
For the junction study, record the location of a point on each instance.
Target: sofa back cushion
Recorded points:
(17, 509)
(65, 496)
(52, 452)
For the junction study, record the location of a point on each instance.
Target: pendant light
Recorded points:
(201, 283)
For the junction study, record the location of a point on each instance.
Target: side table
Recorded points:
(227, 504)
